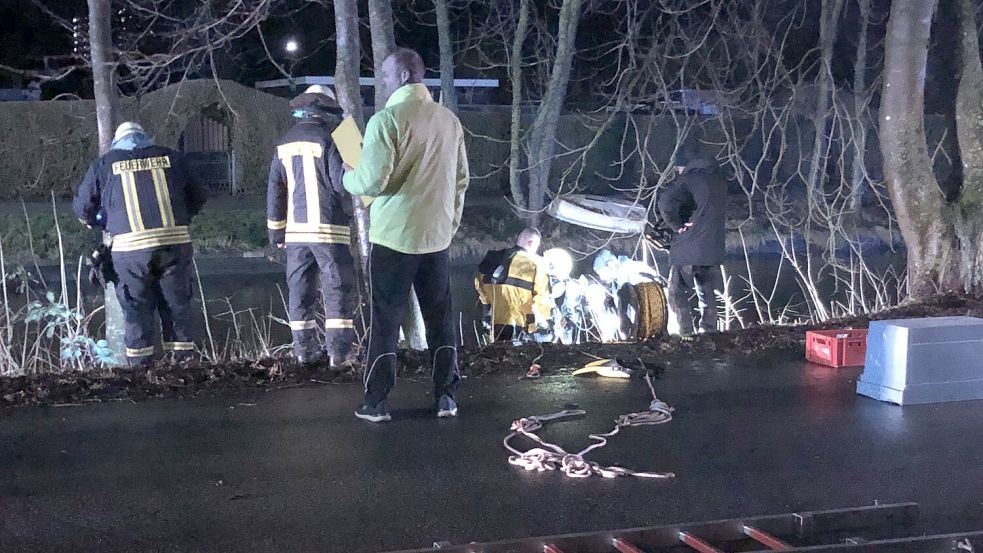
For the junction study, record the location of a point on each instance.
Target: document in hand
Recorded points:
(349, 141)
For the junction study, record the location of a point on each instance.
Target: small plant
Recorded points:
(53, 314)
(82, 350)
(55, 319)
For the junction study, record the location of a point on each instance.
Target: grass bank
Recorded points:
(189, 380)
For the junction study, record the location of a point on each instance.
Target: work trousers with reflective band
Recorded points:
(392, 274)
(706, 281)
(156, 282)
(334, 266)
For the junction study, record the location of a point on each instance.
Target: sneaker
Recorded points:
(379, 413)
(446, 407)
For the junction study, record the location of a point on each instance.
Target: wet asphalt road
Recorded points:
(292, 470)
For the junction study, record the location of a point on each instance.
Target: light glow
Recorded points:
(559, 263)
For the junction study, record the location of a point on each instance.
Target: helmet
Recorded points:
(604, 259)
(126, 128)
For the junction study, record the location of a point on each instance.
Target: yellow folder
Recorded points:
(349, 141)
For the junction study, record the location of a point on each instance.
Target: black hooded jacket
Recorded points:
(698, 196)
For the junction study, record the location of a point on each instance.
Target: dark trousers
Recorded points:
(155, 282)
(705, 280)
(334, 266)
(627, 310)
(391, 275)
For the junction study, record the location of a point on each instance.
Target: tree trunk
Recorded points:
(827, 39)
(542, 144)
(515, 75)
(349, 48)
(107, 116)
(969, 130)
(915, 194)
(103, 71)
(383, 43)
(858, 178)
(448, 94)
(349, 94)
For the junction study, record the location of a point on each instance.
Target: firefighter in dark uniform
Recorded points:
(144, 198)
(308, 213)
(695, 206)
(513, 287)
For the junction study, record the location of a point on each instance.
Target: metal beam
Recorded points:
(370, 81)
(807, 526)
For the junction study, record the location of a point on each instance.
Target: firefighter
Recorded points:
(308, 213)
(513, 286)
(143, 196)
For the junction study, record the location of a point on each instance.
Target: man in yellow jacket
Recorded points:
(415, 167)
(513, 286)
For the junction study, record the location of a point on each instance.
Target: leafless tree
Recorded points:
(107, 116)
(448, 93)
(542, 134)
(383, 42)
(828, 26)
(519, 193)
(348, 90)
(103, 71)
(942, 234)
(763, 130)
(862, 96)
(347, 73)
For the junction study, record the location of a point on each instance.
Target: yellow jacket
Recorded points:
(415, 166)
(519, 293)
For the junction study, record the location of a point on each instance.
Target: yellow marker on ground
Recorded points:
(604, 367)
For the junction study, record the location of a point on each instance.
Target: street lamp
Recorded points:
(292, 49)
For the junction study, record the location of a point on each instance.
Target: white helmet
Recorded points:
(126, 128)
(321, 89)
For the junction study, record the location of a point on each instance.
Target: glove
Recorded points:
(101, 269)
(660, 237)
(486, 317)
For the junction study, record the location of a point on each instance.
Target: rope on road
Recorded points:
(548, 457)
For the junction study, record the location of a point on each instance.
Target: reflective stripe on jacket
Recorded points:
(305, 201)
(516, 287)
(146, 198)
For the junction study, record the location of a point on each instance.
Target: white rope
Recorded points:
(549, 456)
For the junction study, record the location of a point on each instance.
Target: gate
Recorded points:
(214, 170)
(206, 144)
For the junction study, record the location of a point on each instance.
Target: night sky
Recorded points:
(27, 35)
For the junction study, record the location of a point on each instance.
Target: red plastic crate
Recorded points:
(837, 348)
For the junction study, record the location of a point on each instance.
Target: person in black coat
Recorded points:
(695, 206)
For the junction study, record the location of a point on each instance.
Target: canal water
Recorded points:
(246, 295)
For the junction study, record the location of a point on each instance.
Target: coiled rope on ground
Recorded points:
(549, 457)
